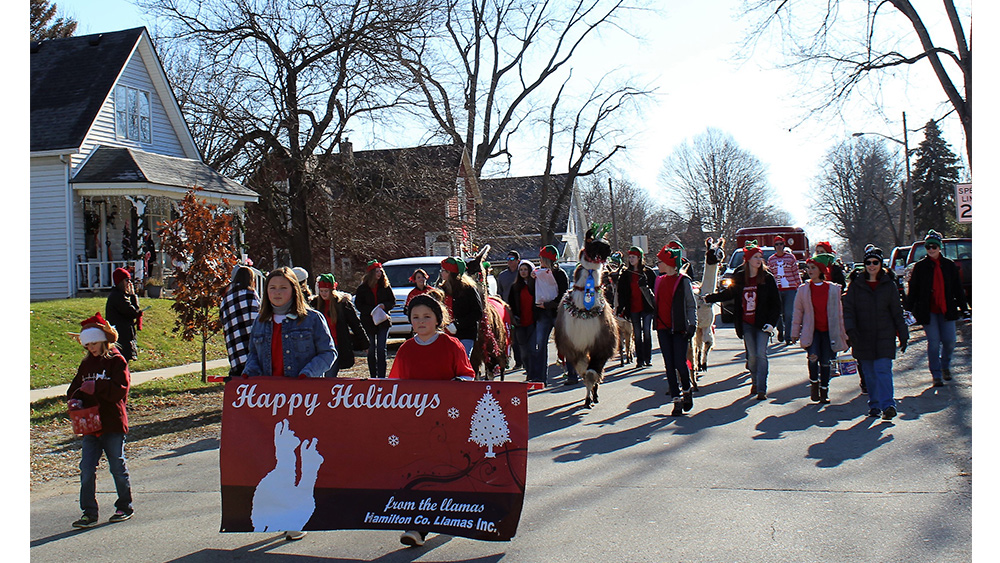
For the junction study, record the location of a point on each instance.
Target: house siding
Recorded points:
(49, 262)
(164, 138)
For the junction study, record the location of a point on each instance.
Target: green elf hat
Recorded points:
(670, 256)
(550, 252)
(933, 237)
(635, 251)
(749, 249)
(326, 280)
(372, 264)
(454, 265)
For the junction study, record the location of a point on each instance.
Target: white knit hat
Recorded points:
(92, 334)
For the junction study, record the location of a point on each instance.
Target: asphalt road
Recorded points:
(734, 480)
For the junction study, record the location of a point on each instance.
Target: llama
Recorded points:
(587, 336)
(625, 343)
(704, 336)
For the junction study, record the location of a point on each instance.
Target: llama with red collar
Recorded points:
(586, 331)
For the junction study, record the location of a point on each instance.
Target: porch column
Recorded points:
(139, 202)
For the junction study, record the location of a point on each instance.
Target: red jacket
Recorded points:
(111, 384)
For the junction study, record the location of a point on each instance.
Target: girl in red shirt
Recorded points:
(818, 316)
(431, 353)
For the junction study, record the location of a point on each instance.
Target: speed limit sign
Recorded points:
(963, 202)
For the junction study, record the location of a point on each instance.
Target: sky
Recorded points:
(689, 58)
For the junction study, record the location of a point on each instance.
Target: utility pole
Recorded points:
(614, 224)
(909, 184)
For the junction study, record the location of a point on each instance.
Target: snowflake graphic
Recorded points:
(394, 440)
(515, 401)
(453, 412)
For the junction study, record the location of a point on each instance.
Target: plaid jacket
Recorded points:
(237, 313)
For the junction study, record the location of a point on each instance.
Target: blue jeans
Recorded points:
(642, 331)
(377, 351)
(822, 348)
(674, 349)
(878, 379)
(544, 321)
(468, 343)
(787, 309)
(112, 444)
(940, 344)
(755, 343)
(524, 340)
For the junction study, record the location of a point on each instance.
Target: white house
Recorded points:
(110, 155)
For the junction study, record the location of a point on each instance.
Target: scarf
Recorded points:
(938, 303)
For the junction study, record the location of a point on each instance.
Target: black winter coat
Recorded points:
(918, 298)
(350, 334)
(647, 282)
(122, 311)
(467, 311)
(365, 301)
(873, 319)
(768, 299)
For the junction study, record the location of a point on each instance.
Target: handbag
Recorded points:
(85, 421)
(379, 315)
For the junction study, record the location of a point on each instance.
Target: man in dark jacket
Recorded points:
(122, 312)
(936, 299)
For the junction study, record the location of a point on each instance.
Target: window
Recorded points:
(132, 114)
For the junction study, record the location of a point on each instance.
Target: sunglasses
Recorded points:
(873, 263)
(932, 246)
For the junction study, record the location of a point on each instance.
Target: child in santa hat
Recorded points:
(102, 380)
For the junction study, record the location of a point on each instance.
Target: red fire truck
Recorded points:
(796, 240)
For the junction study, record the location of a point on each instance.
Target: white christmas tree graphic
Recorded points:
(489, 425)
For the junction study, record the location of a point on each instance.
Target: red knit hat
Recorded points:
(372, 264)
(779, 238)
(826, 246)
(120, 274)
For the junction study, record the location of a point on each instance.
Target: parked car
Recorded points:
(897, 263)
(726, 279)
(957, 249)
(399, 271)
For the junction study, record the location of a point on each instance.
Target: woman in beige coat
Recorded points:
(818, 317)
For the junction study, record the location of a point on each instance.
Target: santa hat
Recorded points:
(326, 280)
(749, 249)
(372, 264)
(453, 265)
(671, 256)
(825, 246)
(120, 274)
(933, 237)
(550, 252)
(96, 329)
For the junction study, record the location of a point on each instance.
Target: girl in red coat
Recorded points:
(102, 380)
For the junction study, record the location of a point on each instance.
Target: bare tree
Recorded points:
(479, 72)
(277, 83)
(857, 195)
(636, 212)
(853, 48)
(719, 185)
(589, 139)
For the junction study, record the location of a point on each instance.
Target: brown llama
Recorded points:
(587, 337)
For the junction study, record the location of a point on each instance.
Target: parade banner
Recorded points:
(339, 454)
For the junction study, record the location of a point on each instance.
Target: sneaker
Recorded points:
(875, 412)
(938, 383)
(888, 413)
(946, 373)
(761, 396)
(86, 521)
(412, 539)
(294, 535)
(120, 516)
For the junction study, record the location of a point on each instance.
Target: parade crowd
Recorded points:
(290, 331)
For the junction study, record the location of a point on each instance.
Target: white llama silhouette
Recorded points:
(279, 503)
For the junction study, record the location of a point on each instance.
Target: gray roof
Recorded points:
(111, 165)
(70, 79)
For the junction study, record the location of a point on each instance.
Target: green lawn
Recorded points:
(55, 354)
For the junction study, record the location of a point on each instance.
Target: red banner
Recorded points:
(339, 454)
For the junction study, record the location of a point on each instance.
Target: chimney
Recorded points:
(347, 149)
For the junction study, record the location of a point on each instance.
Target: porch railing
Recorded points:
(96, 276)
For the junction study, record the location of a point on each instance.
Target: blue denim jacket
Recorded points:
(306, 344)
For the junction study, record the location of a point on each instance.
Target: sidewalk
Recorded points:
(137, 378)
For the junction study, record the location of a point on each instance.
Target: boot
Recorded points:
(687, 401)
(678, 408)
(824, 395)
(814, 391)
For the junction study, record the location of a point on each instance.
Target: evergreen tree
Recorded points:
(934, 177)
(42, 24)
